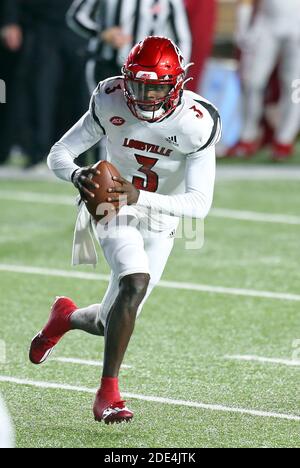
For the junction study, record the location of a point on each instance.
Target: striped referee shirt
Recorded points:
(138, 18)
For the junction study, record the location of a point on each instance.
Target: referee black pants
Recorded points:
(59, 92)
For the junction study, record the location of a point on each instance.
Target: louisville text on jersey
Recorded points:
(149, 147)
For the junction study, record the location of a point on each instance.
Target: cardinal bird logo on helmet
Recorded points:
(154, 77)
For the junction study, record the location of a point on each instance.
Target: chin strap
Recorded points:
(152, 115)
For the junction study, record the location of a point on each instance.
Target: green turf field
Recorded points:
(181, 341)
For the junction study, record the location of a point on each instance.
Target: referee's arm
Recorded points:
(81, 18)
(181, 28)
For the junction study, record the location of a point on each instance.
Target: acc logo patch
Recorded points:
(118, 121)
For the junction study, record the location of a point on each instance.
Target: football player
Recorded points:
(162, 140)
(269, 32)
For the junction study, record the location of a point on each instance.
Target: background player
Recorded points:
(269, 33)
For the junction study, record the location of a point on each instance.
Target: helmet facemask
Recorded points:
(152, 99)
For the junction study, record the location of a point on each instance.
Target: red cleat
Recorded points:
(243, 149)
(111, 412)
(282, 152)
(58, 324)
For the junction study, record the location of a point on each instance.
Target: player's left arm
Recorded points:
(199, 181)
(200, 170)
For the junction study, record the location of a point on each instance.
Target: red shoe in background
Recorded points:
(58, 324)
(243, 149)
(282, 152)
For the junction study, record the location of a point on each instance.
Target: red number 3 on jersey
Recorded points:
(198, 112)
(151, 183)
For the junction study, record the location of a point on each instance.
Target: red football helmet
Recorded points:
(154, 77)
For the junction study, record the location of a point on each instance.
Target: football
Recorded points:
(99, 207)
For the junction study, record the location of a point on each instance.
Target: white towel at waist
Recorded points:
(84, 251)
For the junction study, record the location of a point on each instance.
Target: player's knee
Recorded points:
(252, 86)
(134, 287)
(99, 325)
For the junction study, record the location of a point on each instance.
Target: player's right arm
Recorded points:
(84, 135)
(245, 10)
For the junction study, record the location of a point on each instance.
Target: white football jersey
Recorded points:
(171, 162)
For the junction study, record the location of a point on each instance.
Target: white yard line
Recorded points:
(255, 216)
(257, 172)
(163, 284)
(228, 172)
(264, 360)
(167, 401)
(238, 215)
(53, 272)
(84, 362)
(35, 197)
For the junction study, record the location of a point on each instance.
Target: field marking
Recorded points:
(228, 173)
(35, 197)
(163, 284)
(257, 172)
(238, 215)
(255, 216)
(166, 401)
(84, 362)
(264, 360)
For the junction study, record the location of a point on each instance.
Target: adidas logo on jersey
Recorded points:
(172, 140)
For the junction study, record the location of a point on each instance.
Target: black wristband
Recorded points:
(73, 174)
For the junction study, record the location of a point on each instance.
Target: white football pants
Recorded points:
(131, 248)
(264, 48)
